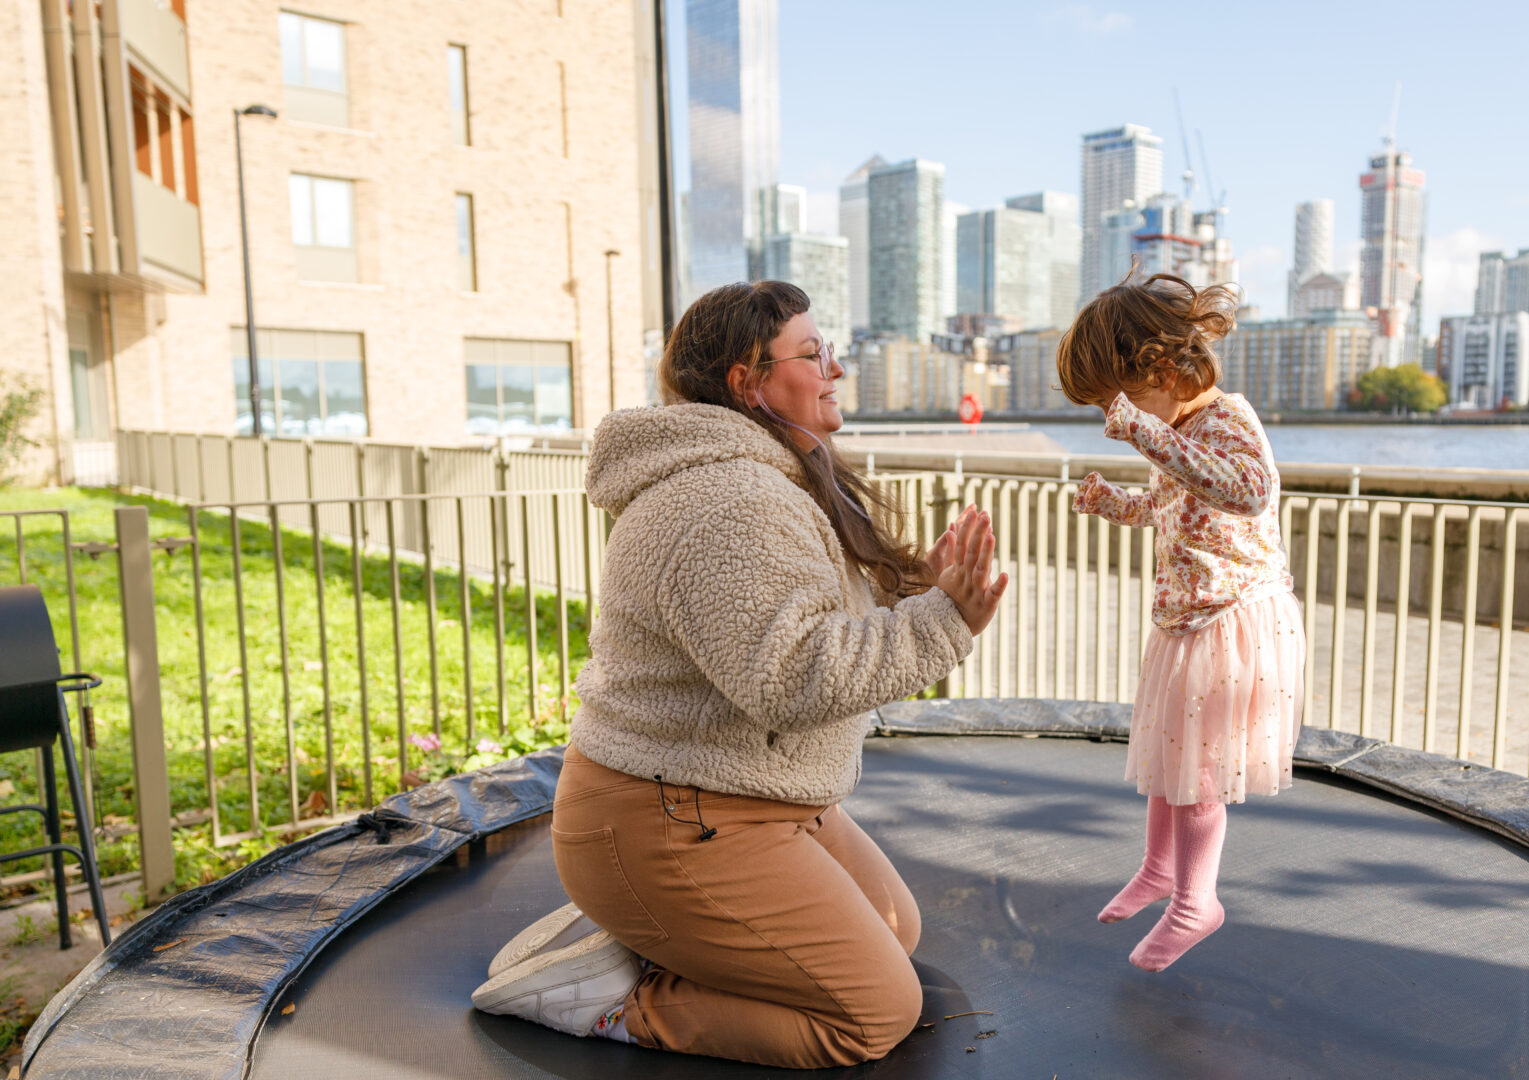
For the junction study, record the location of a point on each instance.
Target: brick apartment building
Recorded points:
(434, 213)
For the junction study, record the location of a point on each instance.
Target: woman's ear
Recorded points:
(738, 382)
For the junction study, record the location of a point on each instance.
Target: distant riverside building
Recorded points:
(1313, 247)
(820, 266)
(1065, 240)
(896, 375)
(1306, 364)
(1484, 356)
(949, 215)
(1391, 260)
(854, 225)
(1003, 266)
(1124, 163)
(1030, 358)
(1502, 283)
(788, 205)
(1324, 292)
(1165, 236)
(906, 229)
(426, 265)
(734, 87)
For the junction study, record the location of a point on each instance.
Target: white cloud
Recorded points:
(1450, 263)
(1261, 272)
(1085, 18)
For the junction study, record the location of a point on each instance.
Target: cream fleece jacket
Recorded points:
(734, 649)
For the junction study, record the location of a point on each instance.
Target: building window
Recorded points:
(456, 74)
(166, 133)
(312, 382)
(313, 69)
(143, 151)
(323, 227)
(188, 155)
(467, 270)
(518, 386)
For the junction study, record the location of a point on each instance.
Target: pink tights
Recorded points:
(1182, 859)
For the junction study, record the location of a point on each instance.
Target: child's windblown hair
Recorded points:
(1133, 335)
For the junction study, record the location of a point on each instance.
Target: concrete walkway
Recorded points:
(32, 966)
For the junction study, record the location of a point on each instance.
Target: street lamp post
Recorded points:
(244, 239)
(610, 327)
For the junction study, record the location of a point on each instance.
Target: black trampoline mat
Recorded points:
(1364, 938)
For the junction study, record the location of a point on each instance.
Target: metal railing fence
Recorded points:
(444, 665)
(1079, 610)
(327, 629)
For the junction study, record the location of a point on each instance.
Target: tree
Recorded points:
(17, 407)
(1406, 389)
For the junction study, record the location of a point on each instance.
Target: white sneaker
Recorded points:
(567, 989)
(563, 927)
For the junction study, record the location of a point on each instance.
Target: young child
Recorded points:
(1219, 699)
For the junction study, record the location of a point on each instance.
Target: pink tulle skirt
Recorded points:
(1217, 710)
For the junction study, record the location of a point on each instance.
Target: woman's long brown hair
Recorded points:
(734, 324)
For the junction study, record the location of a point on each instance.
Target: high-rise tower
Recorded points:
(906, 230)
(1391, 261)
(854, 225)
(734, 137)
(1120, 164)
(1313, 246)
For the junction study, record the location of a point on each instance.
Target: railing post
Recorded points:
(361, 493)
(151, 778)
(941, 523)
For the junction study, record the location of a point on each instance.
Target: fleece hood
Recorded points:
(637, 448)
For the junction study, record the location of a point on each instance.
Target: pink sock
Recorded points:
(1154, 881)
(1193, 913)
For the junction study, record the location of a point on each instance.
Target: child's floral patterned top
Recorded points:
(1214, 499)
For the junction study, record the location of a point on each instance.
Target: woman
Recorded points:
(724, 903)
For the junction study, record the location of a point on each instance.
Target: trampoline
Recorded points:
(1376, 927)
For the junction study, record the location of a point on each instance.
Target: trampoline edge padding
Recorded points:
(215, 960)
(1492, 799)
(217, 957)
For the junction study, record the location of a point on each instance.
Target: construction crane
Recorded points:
(1389, 137)
(1189, 172)
(1219, 205)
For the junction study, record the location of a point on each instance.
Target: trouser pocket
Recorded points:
(591, 873)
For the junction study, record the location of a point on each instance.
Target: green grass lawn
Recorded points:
(357, 749)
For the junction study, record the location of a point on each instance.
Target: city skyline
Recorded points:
(1312, 100)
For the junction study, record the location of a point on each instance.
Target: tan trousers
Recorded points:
(782, 940)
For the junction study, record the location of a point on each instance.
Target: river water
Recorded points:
(1488, 446)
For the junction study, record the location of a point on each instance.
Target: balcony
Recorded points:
(157, 37)
(169, 234)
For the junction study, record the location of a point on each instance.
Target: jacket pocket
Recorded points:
(592, 875)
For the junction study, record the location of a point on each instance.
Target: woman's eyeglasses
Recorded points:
(824, 356)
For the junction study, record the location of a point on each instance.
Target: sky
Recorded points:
(1289, 98)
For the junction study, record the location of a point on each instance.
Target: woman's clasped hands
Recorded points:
(961, 562)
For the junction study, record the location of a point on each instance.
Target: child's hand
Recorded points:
(967, 578)
(943, 551)
(1094, 493)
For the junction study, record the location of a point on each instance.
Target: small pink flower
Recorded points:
(488, 746)
(428, 743)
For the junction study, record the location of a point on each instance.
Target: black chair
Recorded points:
(33, 714)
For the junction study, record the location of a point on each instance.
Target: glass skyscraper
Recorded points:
(1119, 164)
(734, 137)
(906, 227)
